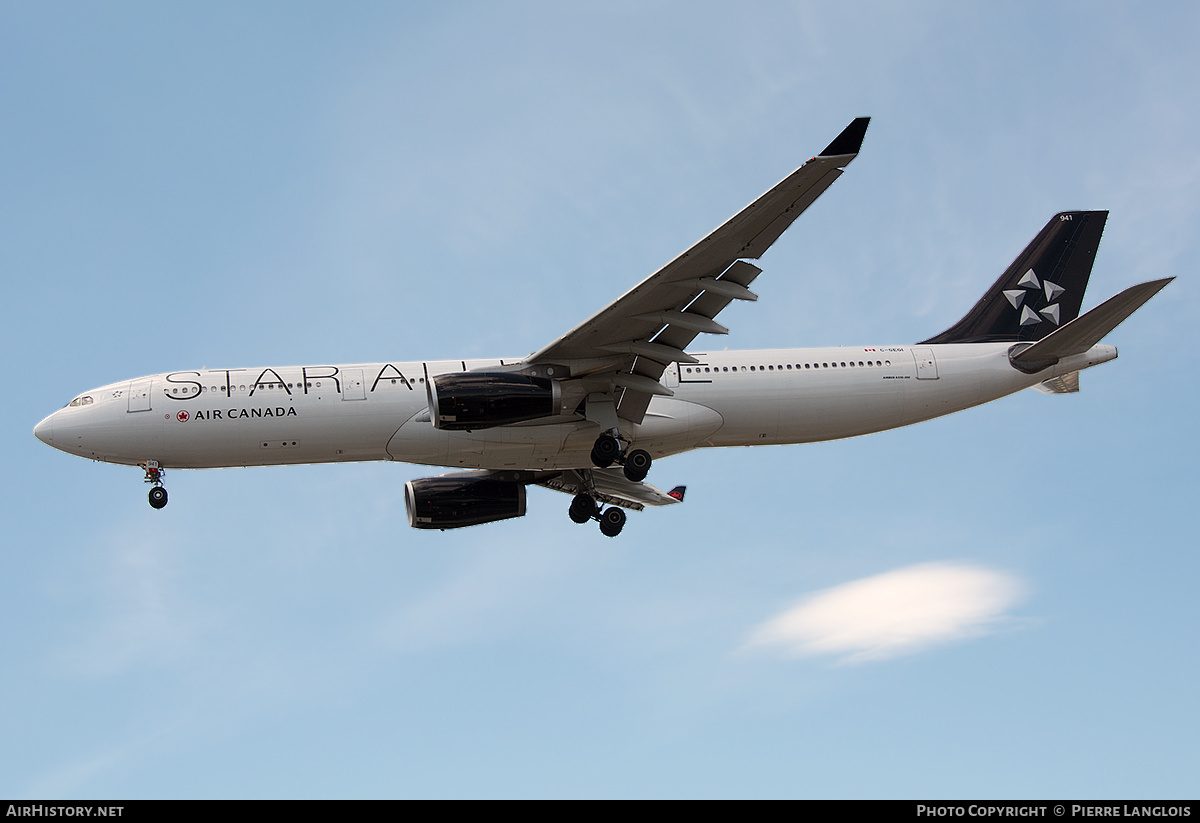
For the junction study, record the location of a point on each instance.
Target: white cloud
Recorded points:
(892, 614)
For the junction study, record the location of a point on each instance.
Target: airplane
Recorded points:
(590, 412)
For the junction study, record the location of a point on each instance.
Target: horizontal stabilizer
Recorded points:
(1067, 384)
(1086, 330)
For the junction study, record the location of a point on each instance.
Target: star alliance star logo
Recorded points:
(1022, 299)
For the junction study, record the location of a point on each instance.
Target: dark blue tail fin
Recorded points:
(1041, 290)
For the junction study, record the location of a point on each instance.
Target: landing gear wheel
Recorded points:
(605, 451)
(637, 465)
(158, 497)
(583, 508)
(612, 521)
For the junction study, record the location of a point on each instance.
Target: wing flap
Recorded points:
(708, 297)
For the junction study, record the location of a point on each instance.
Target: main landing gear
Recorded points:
(154, 474)
(635, 464)
(584, 508)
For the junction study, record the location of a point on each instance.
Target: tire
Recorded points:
(612, 521)
(605, 451)
(158, 497)
(583, 508)
(637, 465)
(599, 461)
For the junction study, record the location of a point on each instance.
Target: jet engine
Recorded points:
(451, 502)
(482, 400)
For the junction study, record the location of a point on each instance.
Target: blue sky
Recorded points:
(226, 185)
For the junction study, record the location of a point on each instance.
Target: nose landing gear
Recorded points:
(154, 474)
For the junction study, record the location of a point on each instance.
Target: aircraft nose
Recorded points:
(44, 431)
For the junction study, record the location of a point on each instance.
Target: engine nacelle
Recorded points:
(453, 502)
(482, 400)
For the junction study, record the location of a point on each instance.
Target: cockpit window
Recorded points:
(86, 400)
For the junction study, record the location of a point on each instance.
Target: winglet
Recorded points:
(677, 493)
(850, 140)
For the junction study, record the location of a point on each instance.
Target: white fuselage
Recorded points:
(379, 411)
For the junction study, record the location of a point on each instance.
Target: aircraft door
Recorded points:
(139, 395)
(926, 364)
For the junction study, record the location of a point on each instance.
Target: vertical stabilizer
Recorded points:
(1043, 288)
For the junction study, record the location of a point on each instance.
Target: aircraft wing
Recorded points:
(634, 339)
(610, 486)
(605, 485)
